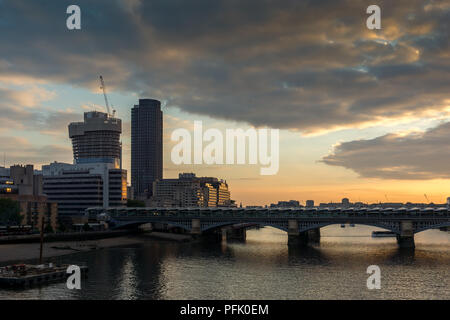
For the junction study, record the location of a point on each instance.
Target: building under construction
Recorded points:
(96, 177)
(97, 139)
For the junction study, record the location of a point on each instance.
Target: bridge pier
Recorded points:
(295, 238)
(406, 237)
(196, 229)
(239, 234)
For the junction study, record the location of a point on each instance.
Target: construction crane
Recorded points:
(103, 87)
(426, 197)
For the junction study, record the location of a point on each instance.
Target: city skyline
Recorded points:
(341, 94)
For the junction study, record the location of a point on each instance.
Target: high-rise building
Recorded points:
(191, 191)
(146, 146)
(96, 178)
(96, 139)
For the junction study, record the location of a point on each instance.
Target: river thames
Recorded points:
(263, 267)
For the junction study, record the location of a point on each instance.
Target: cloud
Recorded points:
(411, 156)
(23, 109)
(306, 65)
(22, 151)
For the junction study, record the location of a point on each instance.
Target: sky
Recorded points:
(362, 114)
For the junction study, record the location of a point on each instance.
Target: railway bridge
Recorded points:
(301, 224)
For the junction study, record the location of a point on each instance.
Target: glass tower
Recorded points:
(146, 146)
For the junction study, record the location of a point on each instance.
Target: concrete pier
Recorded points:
(406, 237)
(237, 234)
(196, 227)
(296, 238)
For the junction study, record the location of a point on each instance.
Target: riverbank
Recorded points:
(66, 236)
(21, 252)
(26, 250)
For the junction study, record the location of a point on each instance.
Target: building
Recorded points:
(24, 185)
(96, 178)
(76, 187)
(4, 172)
(34, 209)
(27, 180)
(96, 139)
(309, 203)
(191, 191)
(130, 193)
(286, 204)
(345, 202)
(7, 186)
(146, 146)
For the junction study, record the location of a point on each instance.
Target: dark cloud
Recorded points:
(308, 65)
(416, 156)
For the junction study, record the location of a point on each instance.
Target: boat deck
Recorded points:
(30, 275)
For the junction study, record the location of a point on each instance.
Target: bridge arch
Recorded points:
(392, 228)
(430, 227)
(261, 224)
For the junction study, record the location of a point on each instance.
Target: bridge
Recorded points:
(301, 224)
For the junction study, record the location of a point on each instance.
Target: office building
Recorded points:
(96, 178)
(76, 187)
(146, 146)
(28, 180)
(191, 191)
(96, 139)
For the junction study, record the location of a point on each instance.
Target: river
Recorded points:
(263, 267)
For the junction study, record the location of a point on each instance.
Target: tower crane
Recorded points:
(103, 87)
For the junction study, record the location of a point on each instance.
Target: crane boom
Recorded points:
(102, 86)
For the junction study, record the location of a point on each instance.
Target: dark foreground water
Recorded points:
(261, 268)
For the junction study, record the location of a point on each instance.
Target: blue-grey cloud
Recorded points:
(416, 156)
(307, 65)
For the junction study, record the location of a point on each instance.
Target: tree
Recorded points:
(10, 212)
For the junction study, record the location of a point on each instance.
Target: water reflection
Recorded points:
(263, 267)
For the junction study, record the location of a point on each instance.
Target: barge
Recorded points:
(25, 275)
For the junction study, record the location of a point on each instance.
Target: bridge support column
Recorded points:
(406, 237)
(237, 234)
(196, 229)
(295, 238)
(224, 234)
